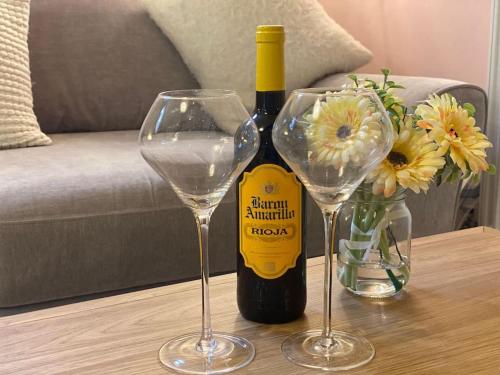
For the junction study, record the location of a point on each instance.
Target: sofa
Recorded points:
(87, 214)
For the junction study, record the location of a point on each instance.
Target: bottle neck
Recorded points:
(269, 102)
(270, 69)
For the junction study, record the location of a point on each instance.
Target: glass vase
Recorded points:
(374, 253)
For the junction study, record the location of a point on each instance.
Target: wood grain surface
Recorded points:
(447, 322)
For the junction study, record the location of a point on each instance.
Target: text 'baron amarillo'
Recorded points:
(269, 210)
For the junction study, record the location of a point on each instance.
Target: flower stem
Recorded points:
(367, 214)
(405, 268)
(385, 255)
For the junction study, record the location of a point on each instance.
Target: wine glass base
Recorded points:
(347, 351)
(229, 353)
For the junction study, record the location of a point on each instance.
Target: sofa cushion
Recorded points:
(217, 40)
(88, 215)
(81, 174)
(18, 124)
(98, 65)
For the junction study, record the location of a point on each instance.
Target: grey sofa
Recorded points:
(87, 214)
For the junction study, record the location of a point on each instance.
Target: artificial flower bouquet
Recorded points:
(438, 142)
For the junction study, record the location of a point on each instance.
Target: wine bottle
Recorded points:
(271, 256)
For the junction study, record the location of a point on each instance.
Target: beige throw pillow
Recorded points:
(216, 39)
(18, 124)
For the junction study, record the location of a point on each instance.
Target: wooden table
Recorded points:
(448, 322)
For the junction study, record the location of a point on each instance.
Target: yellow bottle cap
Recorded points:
(270, 59)
(270, 34)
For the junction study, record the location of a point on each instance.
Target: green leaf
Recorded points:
(454, 174)
(389, 102)
(443, 174)
(392, 113)
(354, 78)
(372, 83)
(471, 110)
(453, 177)
(491, 169)
(386, 72)
(476, 179)
(397, 87)
(439, 180)
(439, 176)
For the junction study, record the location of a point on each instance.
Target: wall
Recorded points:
(490, 187)
(435, 38)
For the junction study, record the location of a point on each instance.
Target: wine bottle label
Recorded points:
(270, 220)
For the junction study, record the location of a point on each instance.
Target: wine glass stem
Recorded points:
(330, 220)
(207, 342)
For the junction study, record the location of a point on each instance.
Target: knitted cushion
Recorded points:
(18, 124)
(216, 39)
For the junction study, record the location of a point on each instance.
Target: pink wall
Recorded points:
(435, 38)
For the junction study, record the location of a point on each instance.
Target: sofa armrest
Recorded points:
(438, 211)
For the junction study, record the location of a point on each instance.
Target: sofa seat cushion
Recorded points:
(81, 174)
(88, 215)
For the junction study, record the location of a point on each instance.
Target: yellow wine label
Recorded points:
(270, 209)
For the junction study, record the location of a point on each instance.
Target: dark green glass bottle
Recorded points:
(271, 255)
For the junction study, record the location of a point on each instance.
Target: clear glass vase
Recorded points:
(374, 250)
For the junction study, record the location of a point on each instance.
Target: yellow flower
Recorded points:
(342, 128)
(453, 129)
(412, 162)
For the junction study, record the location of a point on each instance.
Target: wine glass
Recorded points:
(331, 139)
(199, 141)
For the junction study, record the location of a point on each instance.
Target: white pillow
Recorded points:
(18, 124)
(216, 39)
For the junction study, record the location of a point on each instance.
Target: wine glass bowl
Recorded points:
(331, 139)
(199, 144)
(199, 141)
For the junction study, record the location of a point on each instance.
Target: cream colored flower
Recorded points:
(412, 162)
(453, 129)
(342, 128)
